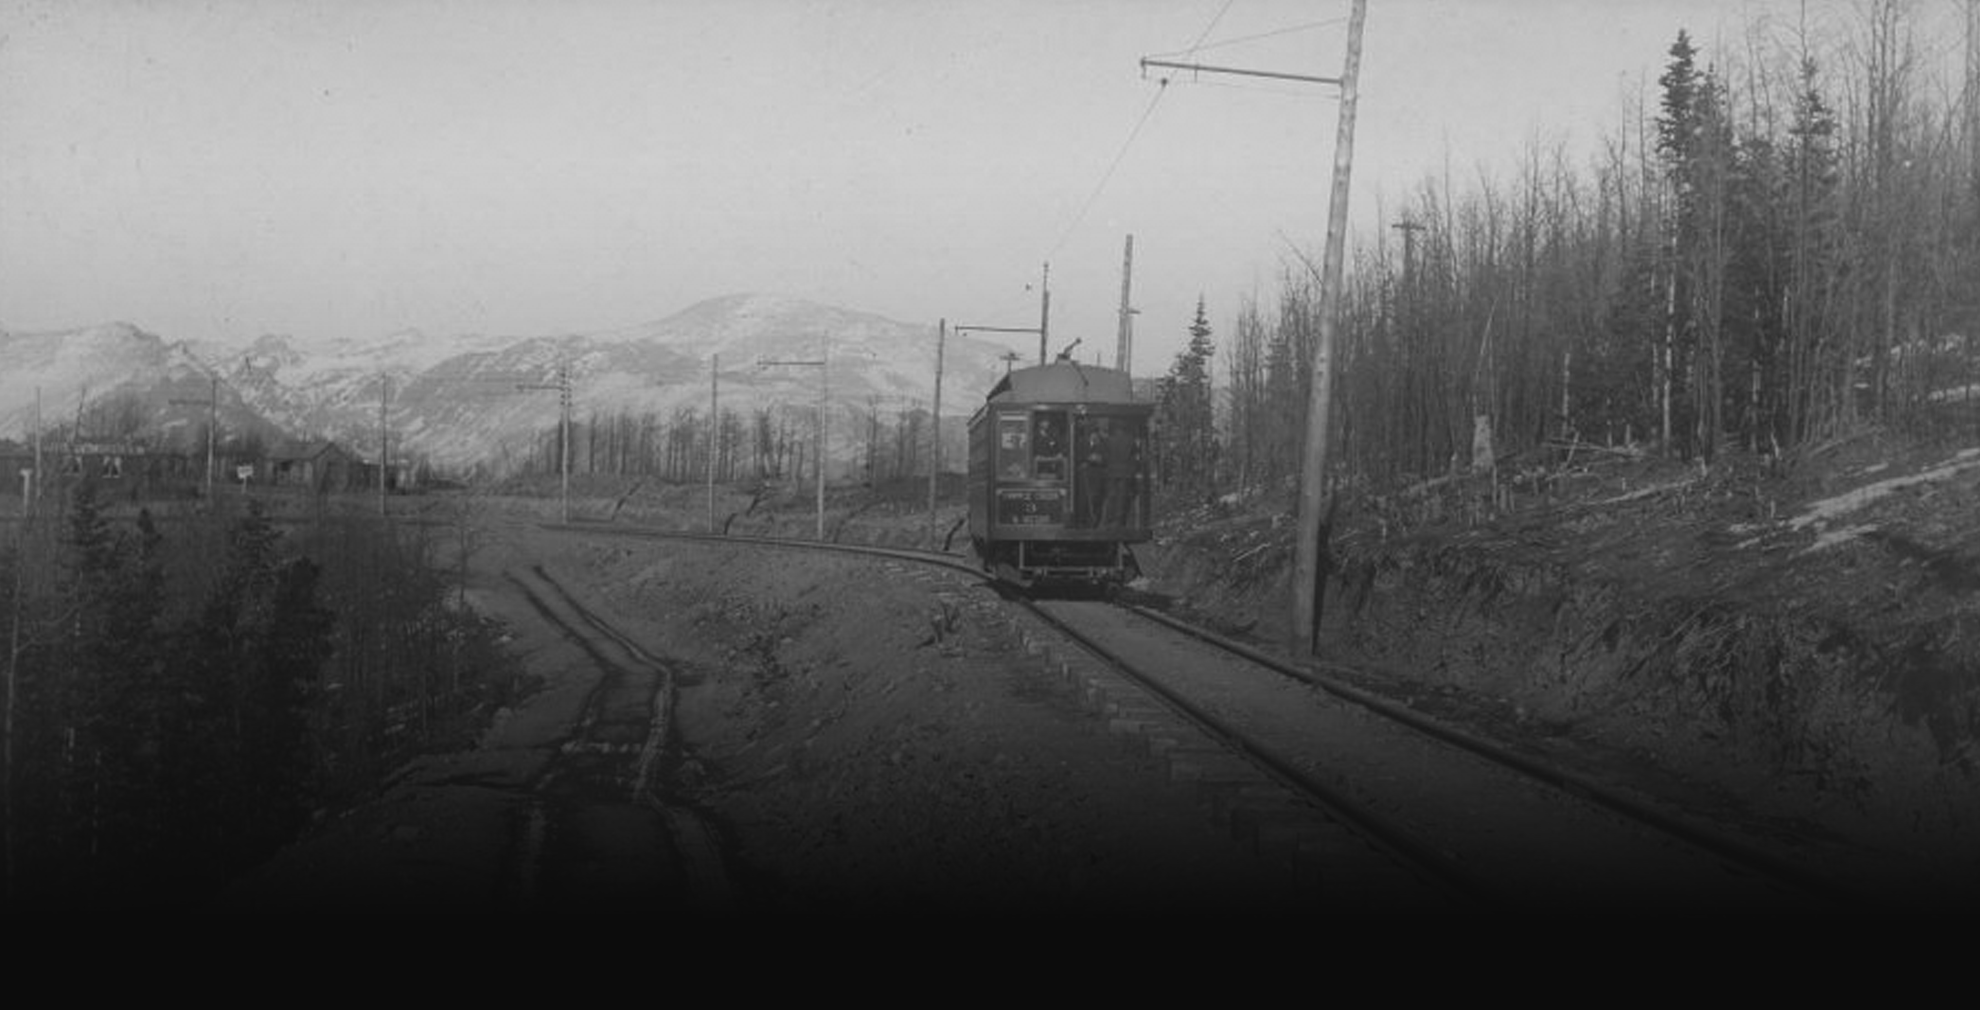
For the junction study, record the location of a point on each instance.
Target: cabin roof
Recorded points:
(1064, 382)
(305, 450)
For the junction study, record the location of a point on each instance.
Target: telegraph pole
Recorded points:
(714, 430)
(37, 458)
(824, 397)
(563, 388)
(384, 460)
(935, 430)
(1124, 343)
(1313, 468)
(1044, 310)
(212, 405)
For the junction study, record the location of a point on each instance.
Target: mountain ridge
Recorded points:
(458, 400)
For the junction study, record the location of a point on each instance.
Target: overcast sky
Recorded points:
(351, 168)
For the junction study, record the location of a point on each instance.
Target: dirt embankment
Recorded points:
(1805, 644)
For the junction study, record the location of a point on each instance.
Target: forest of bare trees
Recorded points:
(772, 443)
(1779, 245)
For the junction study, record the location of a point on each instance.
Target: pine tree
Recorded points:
(1695, 143)
(246, 664)
(1187, 443)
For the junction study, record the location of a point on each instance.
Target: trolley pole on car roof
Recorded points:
(1307, 586)
(1044, 318)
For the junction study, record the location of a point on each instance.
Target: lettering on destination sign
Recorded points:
(1031, 507)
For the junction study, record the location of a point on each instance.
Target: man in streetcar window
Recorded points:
(1050, 440)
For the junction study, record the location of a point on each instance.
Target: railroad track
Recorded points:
(1311, 771)
(610, 764)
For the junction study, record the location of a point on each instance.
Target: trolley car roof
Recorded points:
(1064, 382)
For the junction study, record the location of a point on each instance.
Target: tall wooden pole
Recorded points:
(1044, 311)
(1307, 587)
(212, 405)
(1124, 341)
(212, 431)
(384, 446)
(818, 426)
(36, 500)
(564, 397)
(935, 431)
(714, 431)
(824, 400)
(563, 388)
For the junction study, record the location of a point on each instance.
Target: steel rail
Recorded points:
(1358, 816)
(1740, 854)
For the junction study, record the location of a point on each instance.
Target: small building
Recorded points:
(319, 465)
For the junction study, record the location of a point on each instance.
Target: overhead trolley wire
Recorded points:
(1079, 217)
(1288, 30)
(1112, 167)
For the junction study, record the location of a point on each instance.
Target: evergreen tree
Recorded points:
(1812, 174)
(1187, 443)
(247, 663)
(1694, 140)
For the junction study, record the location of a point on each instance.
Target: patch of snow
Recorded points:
(1849, 501)
(1841, 534)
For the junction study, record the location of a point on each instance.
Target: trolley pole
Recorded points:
(1044, 318)
(1307, 586)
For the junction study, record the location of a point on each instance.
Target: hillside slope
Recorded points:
(1800, 638)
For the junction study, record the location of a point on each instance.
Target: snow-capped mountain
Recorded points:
(460, 399)
(115, 380)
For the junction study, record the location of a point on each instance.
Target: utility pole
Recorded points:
(935, 430)
(384, 446)
(563, 388)
(714, 430)
(212, 405)
(1313, 469)
(1973, 88)
(824, 398)
(1124, 342)
(37, 455)
(1044, 310)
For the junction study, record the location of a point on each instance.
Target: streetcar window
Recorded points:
(1013, 446)
(1049, 445)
